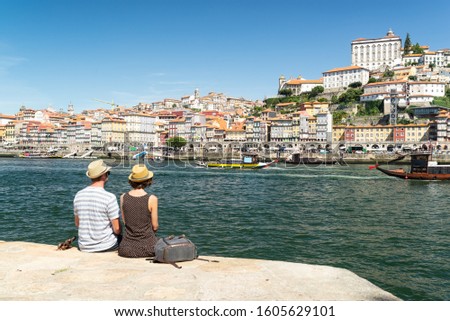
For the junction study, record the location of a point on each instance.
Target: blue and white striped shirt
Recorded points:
(95, 208)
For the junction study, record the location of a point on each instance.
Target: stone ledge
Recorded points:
(30, 271)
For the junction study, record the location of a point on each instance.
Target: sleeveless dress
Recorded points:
(139, 239)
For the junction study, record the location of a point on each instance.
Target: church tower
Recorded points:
(70, 110)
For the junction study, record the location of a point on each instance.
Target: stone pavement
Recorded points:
(30, 271)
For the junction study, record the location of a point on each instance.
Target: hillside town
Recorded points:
(405, 82)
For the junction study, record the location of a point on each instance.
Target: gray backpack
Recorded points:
(174, 249)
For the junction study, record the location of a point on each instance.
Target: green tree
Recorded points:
(350, 96)
(285, 92)
(176, 142)
(407, 44)
(317, 90)
(356, 84)
(372, 80)
(371, 108)
(388, 74)
(431, 66)
(417, 49)
(339, 116)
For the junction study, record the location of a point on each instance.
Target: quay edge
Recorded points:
(33, 272)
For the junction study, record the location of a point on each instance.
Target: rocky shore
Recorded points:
(31, 272)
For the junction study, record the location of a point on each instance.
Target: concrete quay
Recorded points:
(31, 272)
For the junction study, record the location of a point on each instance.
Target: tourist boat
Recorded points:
(421, 168)
(298, 158)
(37, 155)
(248, 161)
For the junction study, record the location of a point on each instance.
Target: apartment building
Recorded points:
(339, 78)
(420, 92)
(140, 129)
(367, 134)
(113, 130)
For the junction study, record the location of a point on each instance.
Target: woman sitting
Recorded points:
(140, 215)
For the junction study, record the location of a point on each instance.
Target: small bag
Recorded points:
(174, 249)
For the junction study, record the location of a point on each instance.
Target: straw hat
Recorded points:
(97, 168)
(140, 173)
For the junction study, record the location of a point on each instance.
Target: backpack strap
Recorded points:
(206, 260)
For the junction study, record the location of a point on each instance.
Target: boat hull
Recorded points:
(400, 173)
(240, 166)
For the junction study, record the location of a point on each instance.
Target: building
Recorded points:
(113, 131)
(281, 130)
(377, 54)
(371, 137)
(324, 126)
(299, 85)
(339, 78)
(420, 92)
(140, 129)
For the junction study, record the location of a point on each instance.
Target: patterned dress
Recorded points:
(139, 239)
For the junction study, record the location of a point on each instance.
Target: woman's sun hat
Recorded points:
(140, 173)
(97, 168)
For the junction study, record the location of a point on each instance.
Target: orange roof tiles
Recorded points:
(344, 69)
(303, 81)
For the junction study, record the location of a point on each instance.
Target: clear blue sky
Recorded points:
(53, 53)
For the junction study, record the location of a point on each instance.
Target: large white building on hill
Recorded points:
(375, 54)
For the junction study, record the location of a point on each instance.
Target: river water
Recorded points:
(395, 233)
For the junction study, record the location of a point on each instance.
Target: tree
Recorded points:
(350, 96)
(417, 49)
(431, 66)
(388, 74)
(372, 80)
(407, 44)
(285, 92)
(317, 90)
(356, 84)
(339, 116)
(176, 142)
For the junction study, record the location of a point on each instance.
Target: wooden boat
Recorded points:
(422, 168)
(248, 161)
(37, 155)
(298, 158)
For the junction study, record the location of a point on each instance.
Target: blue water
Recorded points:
(395, 233)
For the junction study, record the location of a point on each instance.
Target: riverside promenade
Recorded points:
(30, 272)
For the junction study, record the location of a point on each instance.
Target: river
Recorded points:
(395, 233)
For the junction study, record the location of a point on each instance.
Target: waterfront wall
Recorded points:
(31, 271)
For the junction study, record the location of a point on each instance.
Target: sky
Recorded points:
(59, 52)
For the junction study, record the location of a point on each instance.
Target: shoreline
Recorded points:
(34, 272)
(349, 159)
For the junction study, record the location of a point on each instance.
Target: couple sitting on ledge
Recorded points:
(97, 214)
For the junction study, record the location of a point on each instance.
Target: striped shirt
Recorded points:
(95, 208)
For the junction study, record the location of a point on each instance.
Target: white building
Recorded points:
(420, 92)
(377, 53)
(324, 126)
(338, 78)
(299, 85)
(439, 58)
(140, 129)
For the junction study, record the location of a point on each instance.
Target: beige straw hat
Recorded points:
(97, 168)
(140, 173)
